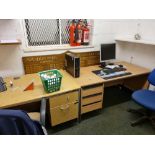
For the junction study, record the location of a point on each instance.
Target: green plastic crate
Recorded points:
(51, 84)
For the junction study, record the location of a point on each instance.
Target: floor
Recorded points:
(112, 120)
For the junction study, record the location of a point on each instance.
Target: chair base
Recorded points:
(145, 115)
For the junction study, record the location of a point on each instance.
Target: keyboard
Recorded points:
(118, 69)
(109, 74)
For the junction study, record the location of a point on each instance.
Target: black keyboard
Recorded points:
(115, 76)
(110, 73)
(118, 69)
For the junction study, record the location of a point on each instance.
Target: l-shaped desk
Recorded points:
(76, 96)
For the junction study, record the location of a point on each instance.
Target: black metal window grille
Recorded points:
(41, 32)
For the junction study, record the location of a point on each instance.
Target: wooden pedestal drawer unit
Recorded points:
(91, 98)
(64, 107)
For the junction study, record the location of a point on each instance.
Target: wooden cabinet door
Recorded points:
(64, 107)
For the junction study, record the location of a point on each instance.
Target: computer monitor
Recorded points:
(107, 52)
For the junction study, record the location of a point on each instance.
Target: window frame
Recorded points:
(43, 48)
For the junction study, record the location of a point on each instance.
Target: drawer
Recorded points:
(62, 99)
(92, 90)
(91, 107)
(63, 113)
(91, 99)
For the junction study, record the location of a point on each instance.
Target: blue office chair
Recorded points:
(145, 98)
(17, 122)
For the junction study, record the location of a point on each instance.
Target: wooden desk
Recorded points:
(66, 97)
(137, 80)
(91, 94)
(16, 96)
(92, 86)
(88, 78)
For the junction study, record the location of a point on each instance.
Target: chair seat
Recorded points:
(17, 122)
(145, 98)
(34, 116)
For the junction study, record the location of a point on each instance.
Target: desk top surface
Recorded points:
(16, 96)
(87, 77)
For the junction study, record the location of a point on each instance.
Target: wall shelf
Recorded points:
(10, 42)
(131, 40)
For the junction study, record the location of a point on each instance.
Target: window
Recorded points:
(44, 32)
(40, 32)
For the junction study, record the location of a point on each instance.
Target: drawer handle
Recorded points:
(64, 107)
(76, 102)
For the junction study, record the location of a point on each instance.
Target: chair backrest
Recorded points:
(151, 78)
(17, 122)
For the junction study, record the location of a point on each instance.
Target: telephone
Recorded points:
(2, 85)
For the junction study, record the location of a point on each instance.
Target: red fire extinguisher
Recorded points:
(85, 33)
(72, 33)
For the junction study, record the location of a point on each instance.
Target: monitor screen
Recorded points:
(107, 52)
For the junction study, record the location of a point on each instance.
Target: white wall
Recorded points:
(10, 55)
(105, 31)
(143, 55)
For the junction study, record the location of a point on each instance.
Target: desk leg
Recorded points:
(79, 108)
(43, 111)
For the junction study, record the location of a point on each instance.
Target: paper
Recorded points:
(111, 66)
